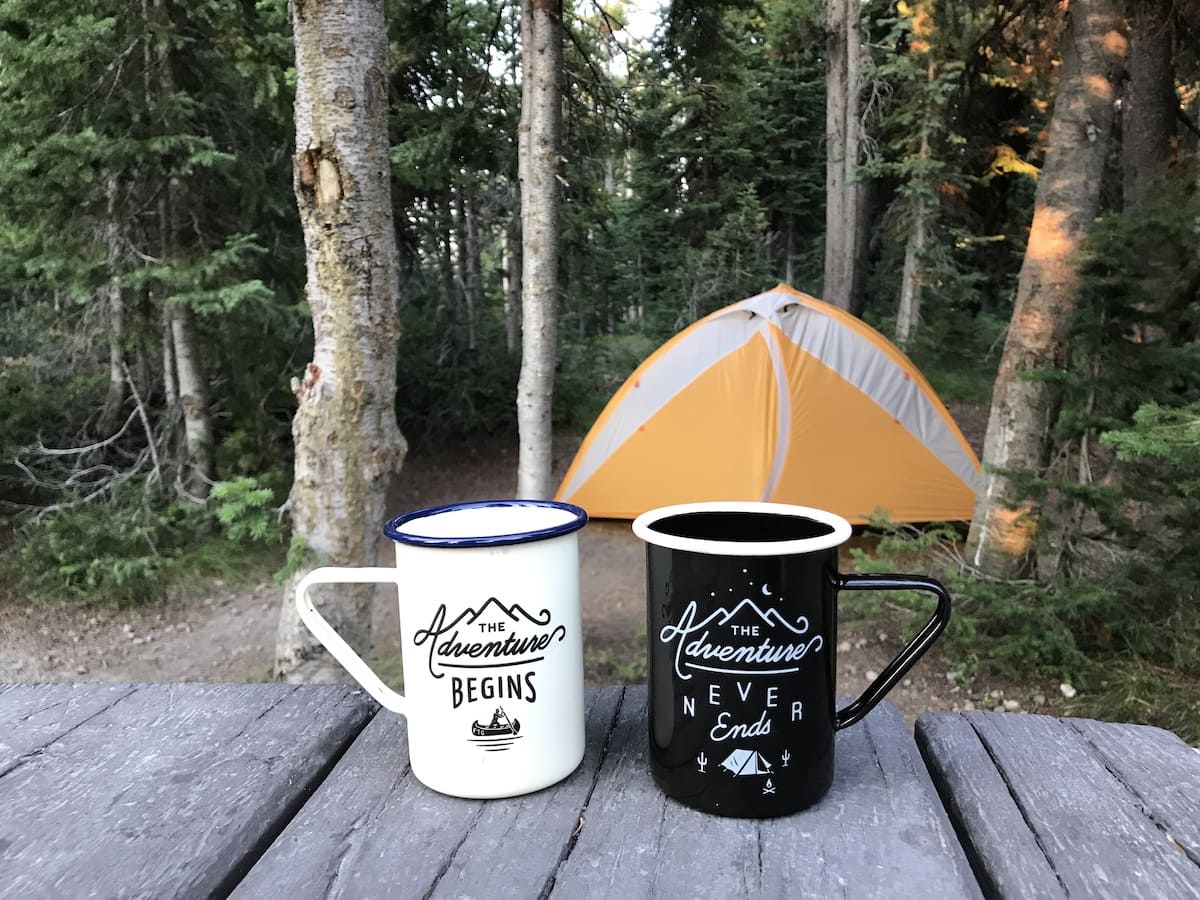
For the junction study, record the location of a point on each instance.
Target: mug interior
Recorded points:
(742, 528)
(486, 523)
(726, 525)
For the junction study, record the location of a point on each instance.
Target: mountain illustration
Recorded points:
(747, 612)
(514, 613)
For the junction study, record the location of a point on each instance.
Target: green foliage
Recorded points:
(300, 558)
(1014, 629)
(959, 351)
(1124, 690)
(591, 371)
(125, 552)
(247, 511)
(445, 390)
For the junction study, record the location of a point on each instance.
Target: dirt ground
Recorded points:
(222, 631)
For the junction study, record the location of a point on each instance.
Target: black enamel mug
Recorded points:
(742, 625)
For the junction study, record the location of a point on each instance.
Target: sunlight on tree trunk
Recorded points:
(541, 130)
(347, 441)
(1005, 523)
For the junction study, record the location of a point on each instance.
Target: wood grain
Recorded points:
(1100, 804)
(880, 832)
(162, 790)
(374, 830)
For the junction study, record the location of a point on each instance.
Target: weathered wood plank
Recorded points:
(33, 716)
(881, 831)
(173, 790)
(516, 845)
(617, 851)
(1092, 829)
(373, 830)
(1002, 848)
(1160, 769)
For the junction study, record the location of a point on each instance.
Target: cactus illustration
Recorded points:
(786, 756)
(702, 760)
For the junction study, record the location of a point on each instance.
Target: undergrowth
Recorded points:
(1132, 656)
(124, 551)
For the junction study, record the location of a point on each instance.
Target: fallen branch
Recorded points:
(156, 473)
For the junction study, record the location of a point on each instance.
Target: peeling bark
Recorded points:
(347, 441)
(1005, 524)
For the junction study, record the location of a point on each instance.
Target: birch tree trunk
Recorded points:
(170, 383)
(110, 413)
(197, 464)
(512, 276)
(908, 315)
(347, 441)
(198, 471)
(843, 196)
(1005, 523)
(541, 129)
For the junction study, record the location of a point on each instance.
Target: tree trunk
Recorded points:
(198, 471)
(1068, 195)
(462, 262)
(447, 288)
(170, 383)
(474, 266)
(347, 441)
(843, 196)
(512, 275)
(541, 129)
(512, 285)
(110, 413)
(1149, 106)
(908, 316)
(197, 465)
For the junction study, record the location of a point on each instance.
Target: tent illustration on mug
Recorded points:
(746, 762)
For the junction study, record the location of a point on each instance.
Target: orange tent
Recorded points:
(779, 397)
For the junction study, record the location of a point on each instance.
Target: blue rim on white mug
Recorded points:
(572, 519)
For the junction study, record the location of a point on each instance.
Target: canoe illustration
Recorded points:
(500, 724)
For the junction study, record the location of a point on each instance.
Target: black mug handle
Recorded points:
(910, 654)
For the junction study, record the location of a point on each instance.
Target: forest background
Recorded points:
(1024, 222)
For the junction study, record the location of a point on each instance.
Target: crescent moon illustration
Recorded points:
(766, 591)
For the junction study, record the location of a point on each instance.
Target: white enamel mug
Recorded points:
(491, 643)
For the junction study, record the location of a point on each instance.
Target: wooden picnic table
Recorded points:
(198, 790)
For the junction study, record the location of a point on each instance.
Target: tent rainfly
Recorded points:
(779, 397)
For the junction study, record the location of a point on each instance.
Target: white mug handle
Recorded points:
(333, 641)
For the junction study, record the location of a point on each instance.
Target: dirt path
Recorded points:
(226, 632)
